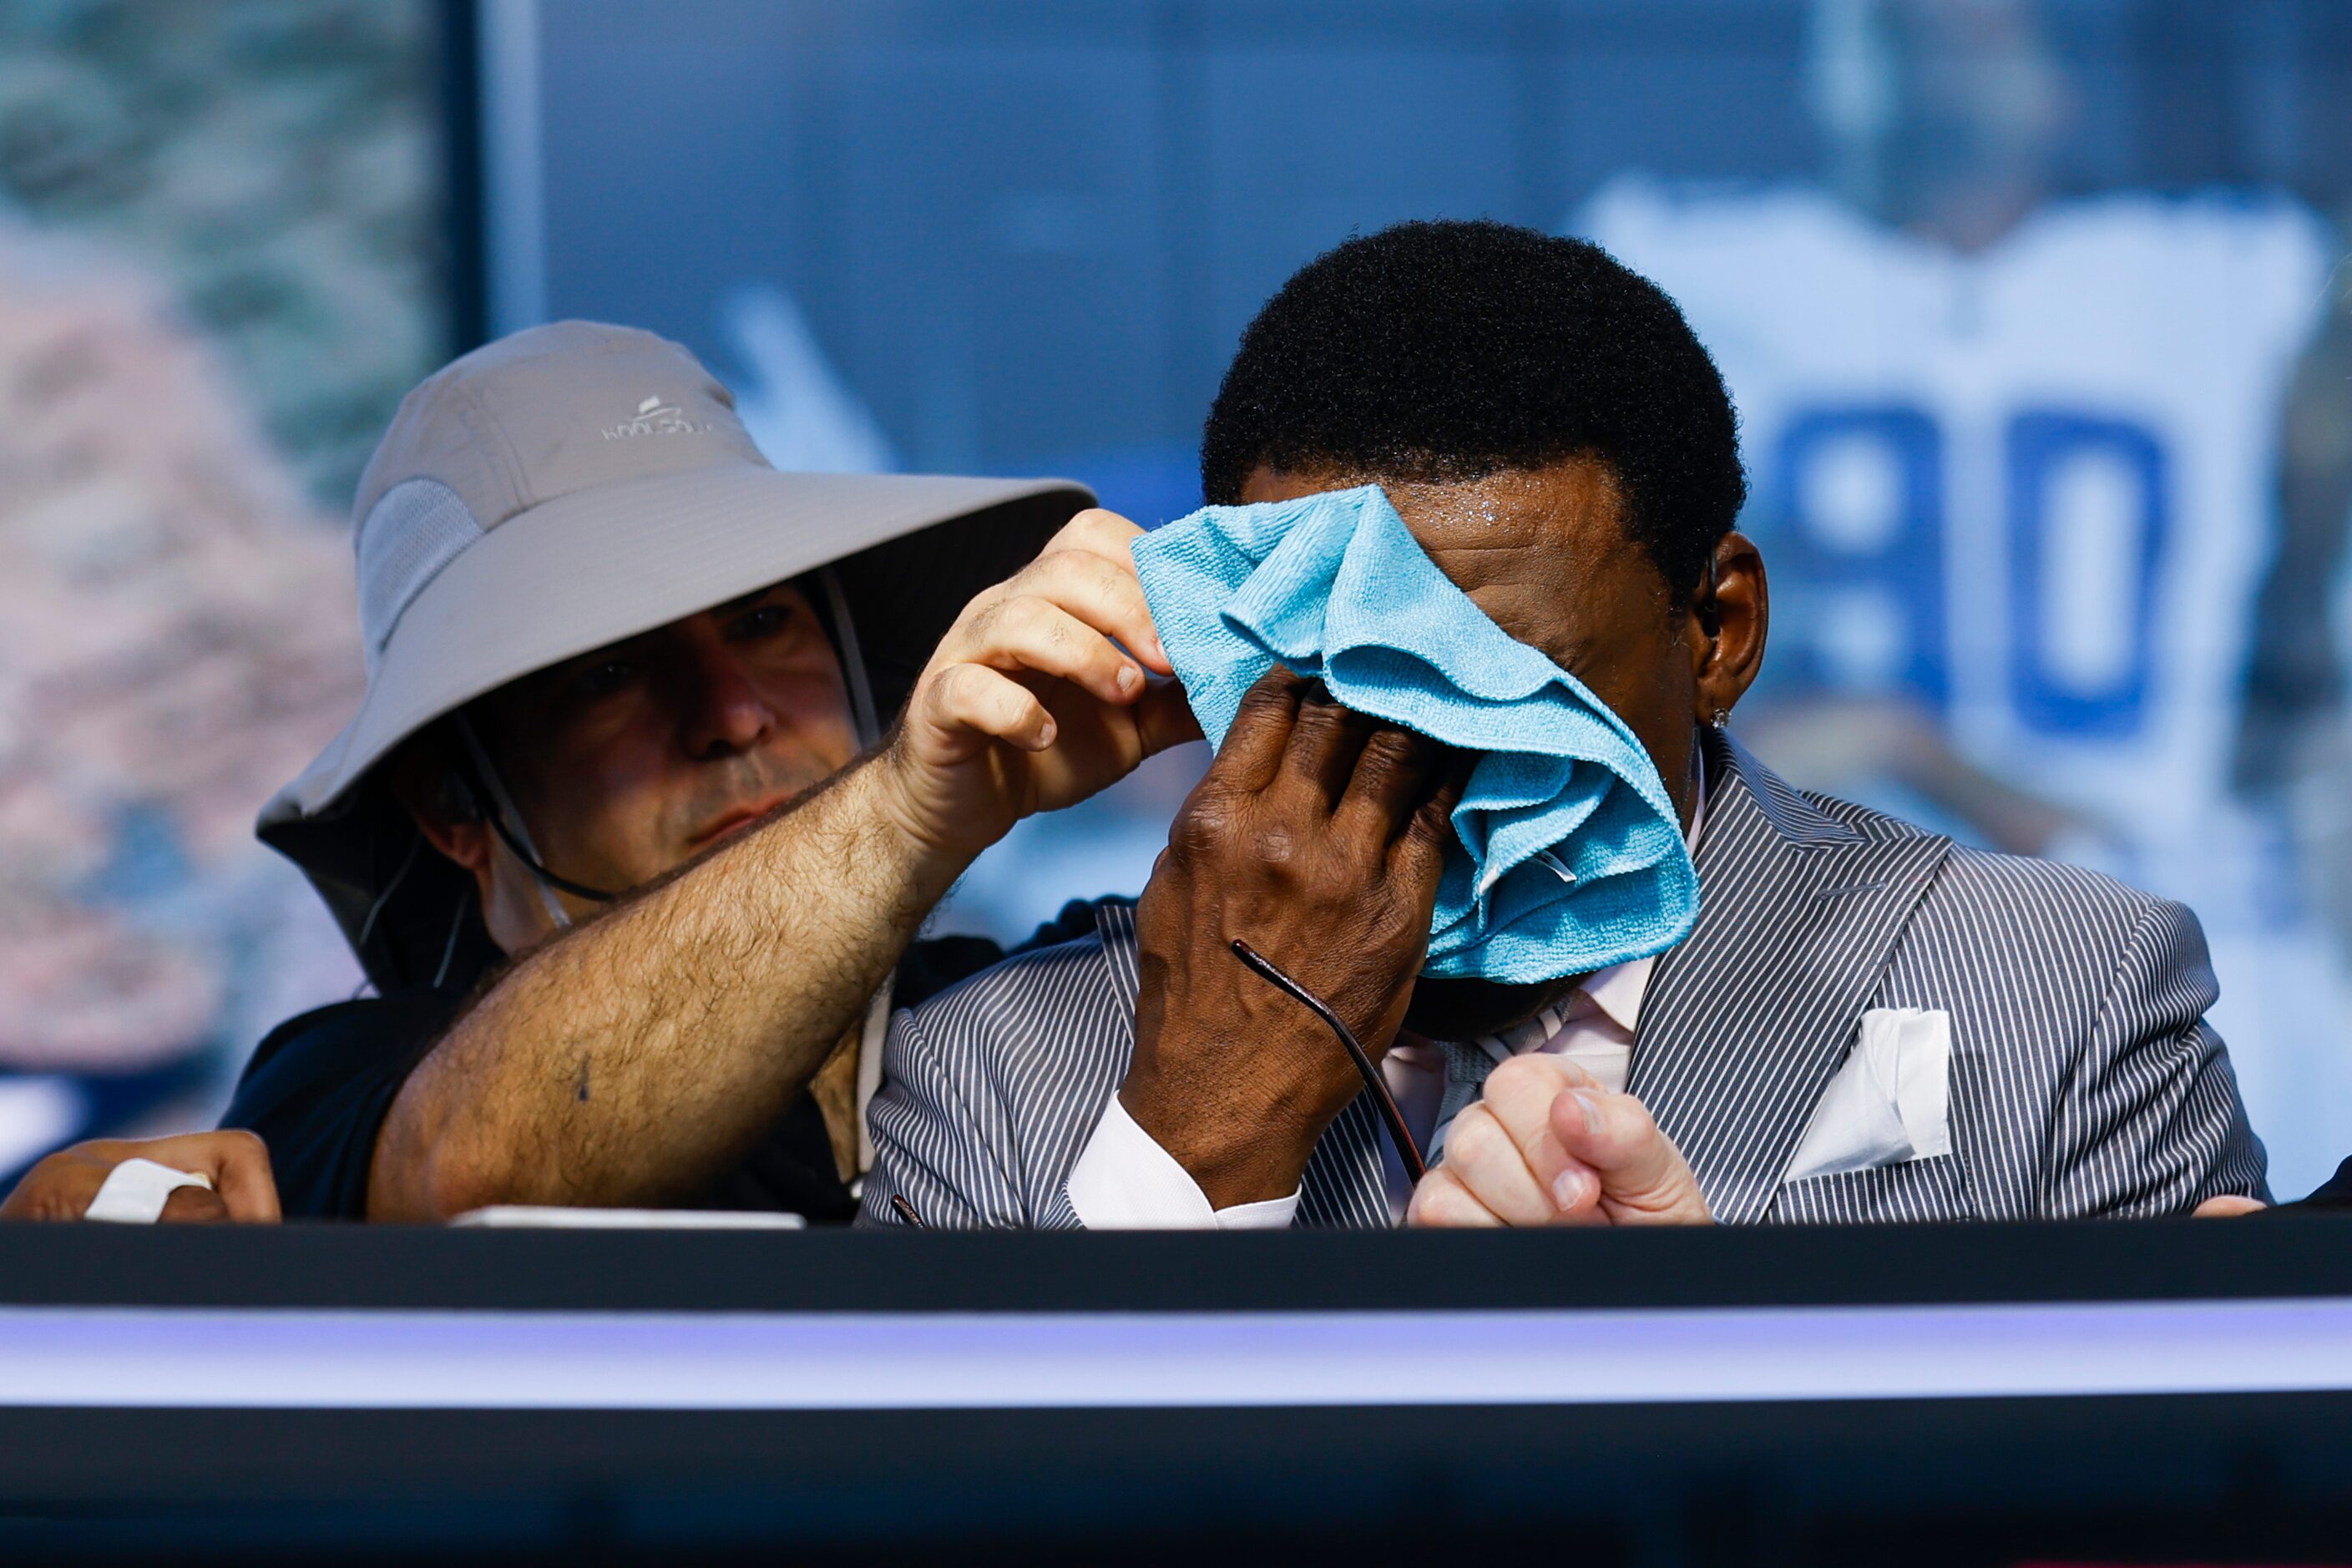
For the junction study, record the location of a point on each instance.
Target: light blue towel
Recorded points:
(1572, 857)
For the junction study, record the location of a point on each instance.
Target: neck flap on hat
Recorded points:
(1570, 856)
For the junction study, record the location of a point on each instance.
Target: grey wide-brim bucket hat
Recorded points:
(565, 487)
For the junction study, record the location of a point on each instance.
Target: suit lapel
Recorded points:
(1745, 1022)
(1344, 1188)
(1343, 1185)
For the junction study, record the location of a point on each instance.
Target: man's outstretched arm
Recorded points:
(637, 1057)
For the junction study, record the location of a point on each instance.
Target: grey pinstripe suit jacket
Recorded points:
(2084, 1080)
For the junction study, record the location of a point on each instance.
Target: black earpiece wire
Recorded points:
(497, 820)
(1369, 1070)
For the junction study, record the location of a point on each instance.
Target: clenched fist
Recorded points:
(1546, 1145)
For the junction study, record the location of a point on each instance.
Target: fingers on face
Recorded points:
(1393, 776)
(1326, 740)
(1389, 792)
(1452, 778)
(1260, 733)
(1418, 853)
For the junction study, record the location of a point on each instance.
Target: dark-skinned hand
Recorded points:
(1317, 837)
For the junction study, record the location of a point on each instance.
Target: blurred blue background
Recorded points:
(2033, 311)
(2024, 306)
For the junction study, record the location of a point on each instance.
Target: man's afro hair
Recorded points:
(1453, 349)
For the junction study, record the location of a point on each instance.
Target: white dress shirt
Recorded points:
(1126, 1181)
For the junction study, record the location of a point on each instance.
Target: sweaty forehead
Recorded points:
(1543, 552)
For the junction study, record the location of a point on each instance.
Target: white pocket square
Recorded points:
(1889, 1102)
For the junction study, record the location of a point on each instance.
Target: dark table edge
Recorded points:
(422, 1269)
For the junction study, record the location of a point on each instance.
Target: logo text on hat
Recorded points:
(655, 417)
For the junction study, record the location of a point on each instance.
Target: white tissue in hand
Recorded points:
(135, 1191)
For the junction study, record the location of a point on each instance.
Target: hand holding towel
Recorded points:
(1570, 857)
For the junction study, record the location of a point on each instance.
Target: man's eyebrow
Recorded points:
(610, 649)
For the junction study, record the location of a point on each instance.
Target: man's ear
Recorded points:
(425, 777)
(1730, 613)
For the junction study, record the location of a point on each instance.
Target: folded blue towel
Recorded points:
(1572, 857)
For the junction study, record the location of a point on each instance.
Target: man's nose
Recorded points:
(726, 714)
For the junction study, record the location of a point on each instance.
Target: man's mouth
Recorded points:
(732, 823)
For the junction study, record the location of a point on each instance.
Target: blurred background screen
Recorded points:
(224, 242)
(2031, 311)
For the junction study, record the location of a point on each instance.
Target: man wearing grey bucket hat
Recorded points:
(620, 667)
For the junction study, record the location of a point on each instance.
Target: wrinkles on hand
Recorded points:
(1317, 837)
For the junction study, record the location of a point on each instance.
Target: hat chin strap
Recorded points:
(506, 819)
(852, 661)
(507, 822)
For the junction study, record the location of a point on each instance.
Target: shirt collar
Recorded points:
(1617, 991)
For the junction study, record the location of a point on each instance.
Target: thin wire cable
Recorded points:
(367, 926)
(1407, 1150)
(506, 821)
(853, 660)
(522, 853)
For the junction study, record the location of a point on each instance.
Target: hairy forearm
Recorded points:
(638, 1058)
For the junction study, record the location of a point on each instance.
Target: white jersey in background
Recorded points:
(2032, 487)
